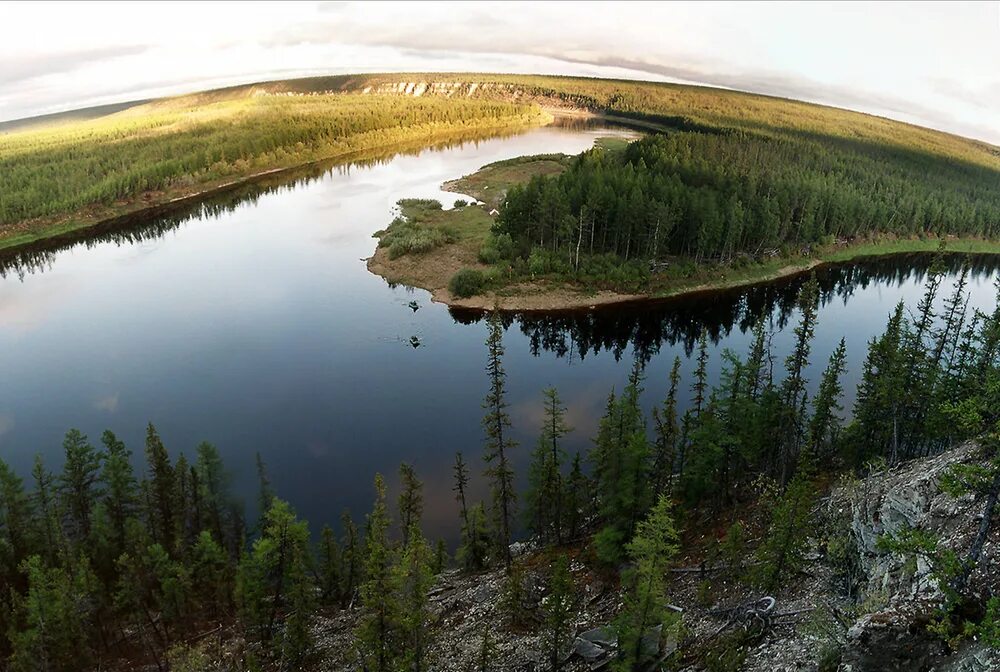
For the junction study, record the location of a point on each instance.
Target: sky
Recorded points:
(933, 64)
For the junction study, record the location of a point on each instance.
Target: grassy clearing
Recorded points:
(490, 183)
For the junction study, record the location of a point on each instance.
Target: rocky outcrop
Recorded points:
(904, 594)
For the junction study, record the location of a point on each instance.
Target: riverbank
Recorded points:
(185, 192)
(432, 272)
(460, 233)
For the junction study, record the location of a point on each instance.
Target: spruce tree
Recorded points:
(650, 553)
(577, 499)
(558, 609)
(667, 431)
(794, 387)
(161, 490)
(473, 553)
(496, 422)
(413, 578)
(353, 558)
(411, 501)
(826, 405)
(120, 487)
(544, 499)
(378, 635)
(79, 484)
(328, 567)
(272, 579)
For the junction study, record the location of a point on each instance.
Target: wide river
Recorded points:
(254, 324)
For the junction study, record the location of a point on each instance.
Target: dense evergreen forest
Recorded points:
(721, 196)
(183, 143)
(102, 561)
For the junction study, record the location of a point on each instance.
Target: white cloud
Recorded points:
(929, 63)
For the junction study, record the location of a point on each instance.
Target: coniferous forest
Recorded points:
(104, 561)
(720, 196)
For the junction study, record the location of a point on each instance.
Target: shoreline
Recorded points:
(75, 226)
(544, 296)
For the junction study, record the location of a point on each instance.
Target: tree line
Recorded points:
(100, 560)
(725, 195)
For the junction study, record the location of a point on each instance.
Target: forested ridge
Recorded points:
(103, 561)
(176, 145)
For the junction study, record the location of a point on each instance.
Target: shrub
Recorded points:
(496, 249)
(467, 282)
(405, 237)
(461, 203)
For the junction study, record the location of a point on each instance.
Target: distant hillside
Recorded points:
(82, 114)
(102, 160)
(685, 107)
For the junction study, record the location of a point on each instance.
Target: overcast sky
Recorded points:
(933, 64)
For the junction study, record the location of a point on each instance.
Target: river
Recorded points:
(251, 322)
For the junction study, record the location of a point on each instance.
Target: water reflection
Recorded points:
(643, 328)
(155, 222)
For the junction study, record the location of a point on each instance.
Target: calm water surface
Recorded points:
(254, 324)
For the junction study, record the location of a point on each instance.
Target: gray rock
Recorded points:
(603, 636)
(588, 651)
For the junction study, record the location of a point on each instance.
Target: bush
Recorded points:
(496, 249)
(405, 237)
(467, 282)
(461, 203)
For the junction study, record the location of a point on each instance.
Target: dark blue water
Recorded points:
(254, 324)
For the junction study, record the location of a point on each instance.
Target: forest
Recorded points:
(104, 561)
(730, 196)
(182, 145)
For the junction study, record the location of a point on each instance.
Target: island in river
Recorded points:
(426, 245)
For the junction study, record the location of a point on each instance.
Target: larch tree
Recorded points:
(496, 423)
(544, 499)
(411, 501)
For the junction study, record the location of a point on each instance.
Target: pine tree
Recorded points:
(498, 442)
(544, 498)
(650, 552)
(411, 501)
(559, 607)
(377, 635)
